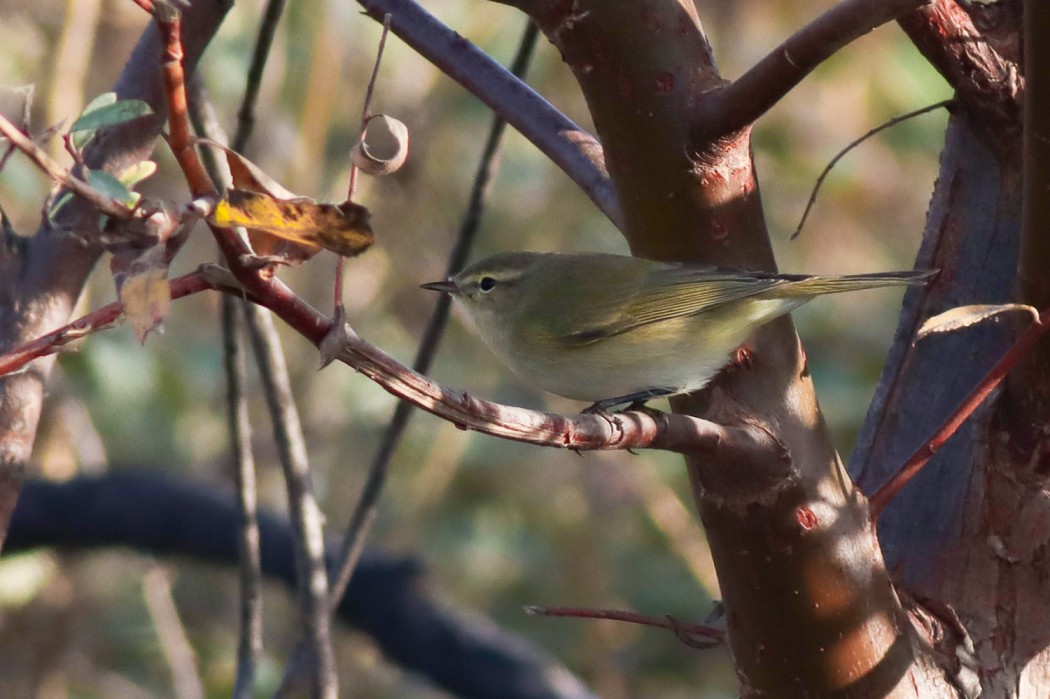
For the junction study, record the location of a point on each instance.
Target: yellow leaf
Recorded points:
(341, 228)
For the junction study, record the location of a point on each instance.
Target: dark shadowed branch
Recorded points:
(155, 514)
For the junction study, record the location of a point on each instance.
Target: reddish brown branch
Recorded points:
(100, 319)
(180, 138)
(931, 446)
(235, 250)
(739, 104)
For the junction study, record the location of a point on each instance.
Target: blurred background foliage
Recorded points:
(498, 525)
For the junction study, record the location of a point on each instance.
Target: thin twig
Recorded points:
(947, 104)
(339, 311)
(365, 511)
(260, 55)
(305, 513)
(58, 174)
(249, 647)
(571, 148)
(366, 109)
(682, 630)
(185, 677)
(1020, 349)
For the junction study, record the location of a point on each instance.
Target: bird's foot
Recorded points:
(633, 401)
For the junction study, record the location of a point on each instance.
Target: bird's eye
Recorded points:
(487, 284)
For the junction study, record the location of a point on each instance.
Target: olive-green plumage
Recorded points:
(596, 327)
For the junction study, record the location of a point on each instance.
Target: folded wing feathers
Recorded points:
(674, 292)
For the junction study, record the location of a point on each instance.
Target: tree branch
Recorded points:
(60, 176)
(249, 646)
(312, 576)
(740, 103)
(627, 430)
(982, 66)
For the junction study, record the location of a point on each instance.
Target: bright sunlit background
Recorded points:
(498, 525)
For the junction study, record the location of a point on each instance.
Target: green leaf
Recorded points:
(103, 100)
(57, 206)
(134, 174)
(81, 138)
(96, 117)
(111, 187)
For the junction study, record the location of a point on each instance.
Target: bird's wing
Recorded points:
(669, 292)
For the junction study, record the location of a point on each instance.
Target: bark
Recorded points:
(810, 607)
(968, 536)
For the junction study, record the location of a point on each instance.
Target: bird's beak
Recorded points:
(446, 287)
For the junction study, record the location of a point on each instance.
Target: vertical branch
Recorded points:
(365, 511)
(156, 588)
(249, 645)
(179, 139)
(260, 55)
(1030, 385)
(311, 574)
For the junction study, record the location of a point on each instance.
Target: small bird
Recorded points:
(613, 329)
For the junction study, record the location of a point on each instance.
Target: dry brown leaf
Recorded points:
(145, 293)
(282, 225)
(964, 316)
(382, 147)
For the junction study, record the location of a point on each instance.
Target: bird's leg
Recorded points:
(634, 401)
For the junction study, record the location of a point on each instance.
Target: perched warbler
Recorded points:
(613, 329)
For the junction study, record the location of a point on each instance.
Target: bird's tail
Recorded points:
(817, 285)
